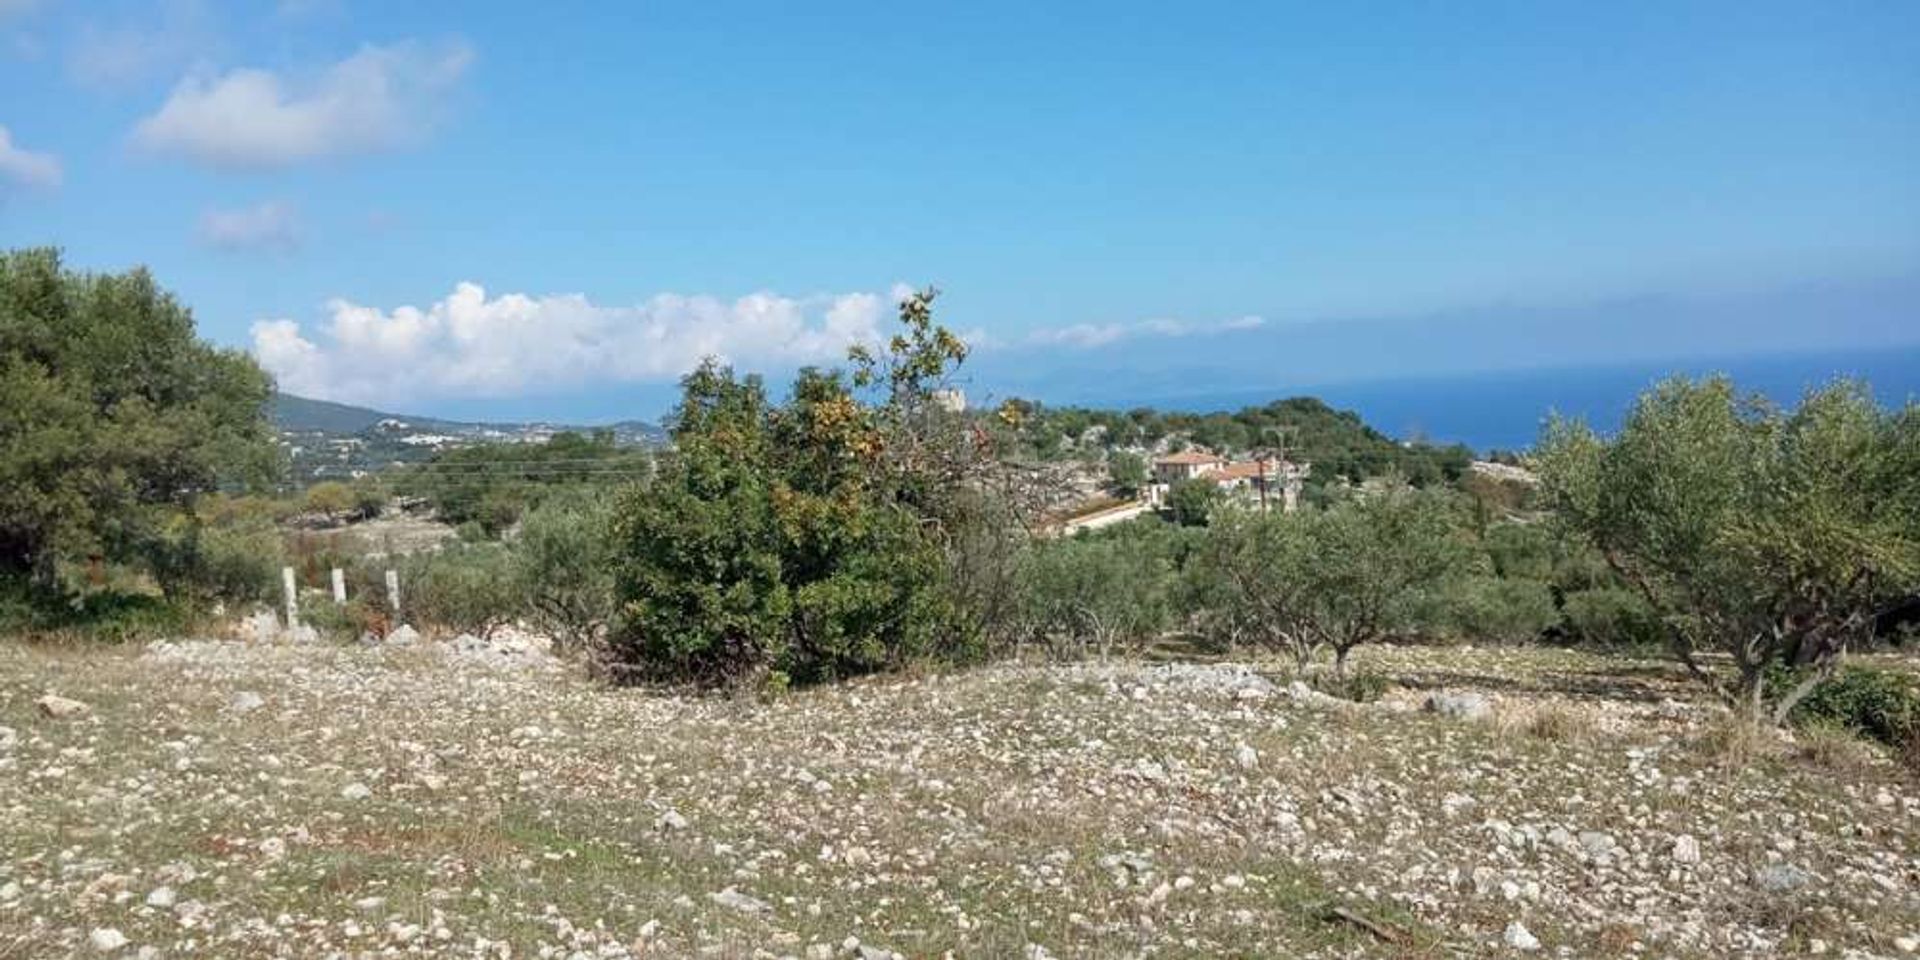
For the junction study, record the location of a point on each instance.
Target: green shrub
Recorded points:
(814, 537)
(1611, 617)
(1092, 594)
(1193, 502)
(330, 497)
(1881, 705)
(564, 559)
(1496, 610)
(113, 616)
(240, 564)
(470, 588)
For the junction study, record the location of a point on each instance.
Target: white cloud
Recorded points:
(26, 167)
(271, 226)
(1100, 334)
(470, 344)
(378, 99)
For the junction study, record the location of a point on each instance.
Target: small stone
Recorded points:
(57, 707)
(1596, 844)
(370, 904)
(1246, 757)
(8, 738)
(106, 940)
(1459, 706)
(1906, 944)
(1686, 849)
(246, 701)
(161, 898)
(1781, 878)
(273, 848)
(355, 791)
(1520, 938)
(733, 899)
(819, 951)
(403, 636)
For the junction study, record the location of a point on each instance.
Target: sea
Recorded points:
(1504, 410)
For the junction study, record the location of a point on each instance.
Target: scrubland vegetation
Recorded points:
(821, 681)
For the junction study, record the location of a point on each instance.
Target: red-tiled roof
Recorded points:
(1246, 469)
(1187, 457)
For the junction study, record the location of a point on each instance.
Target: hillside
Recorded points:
(290, 412)
(327, 439)
(1337, 442)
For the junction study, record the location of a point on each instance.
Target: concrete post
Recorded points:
(393, 592)
(339, 585)
(293, 596)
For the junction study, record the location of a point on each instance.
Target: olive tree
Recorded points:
(1357, 572)
(563, 559)
(1093, 593)
(1767, 537)
(1127, 472)
(1379, 560)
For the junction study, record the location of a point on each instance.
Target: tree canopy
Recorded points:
(115, 417)
(1768, 535)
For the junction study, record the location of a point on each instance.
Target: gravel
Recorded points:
(430, 800)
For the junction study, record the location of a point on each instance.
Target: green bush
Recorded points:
(344, 621)
(564, 559)
(240, 564)
(815, 538)
(1611, 617)
(113, 616)
(468, 588)
(1878, 704)
(1193, 502)
(1093, 594)
(1497, 610)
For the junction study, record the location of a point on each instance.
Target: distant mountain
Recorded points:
(324, 439)
(301, 413)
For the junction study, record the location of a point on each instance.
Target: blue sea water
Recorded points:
(1505, 410)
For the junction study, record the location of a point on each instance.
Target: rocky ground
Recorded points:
(227, 800)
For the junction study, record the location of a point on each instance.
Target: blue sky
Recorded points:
(491, 206)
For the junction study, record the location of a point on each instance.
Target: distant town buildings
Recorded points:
(1260, 482)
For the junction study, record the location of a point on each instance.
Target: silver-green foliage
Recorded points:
(1765, 535)
(563, 560)
(1356, 572)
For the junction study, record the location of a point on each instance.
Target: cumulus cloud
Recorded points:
(472, 344)
(26, 167)
(272, 226)
(378, 99)
(1100, 334)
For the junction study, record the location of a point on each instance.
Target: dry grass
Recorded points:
(1834, 749)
